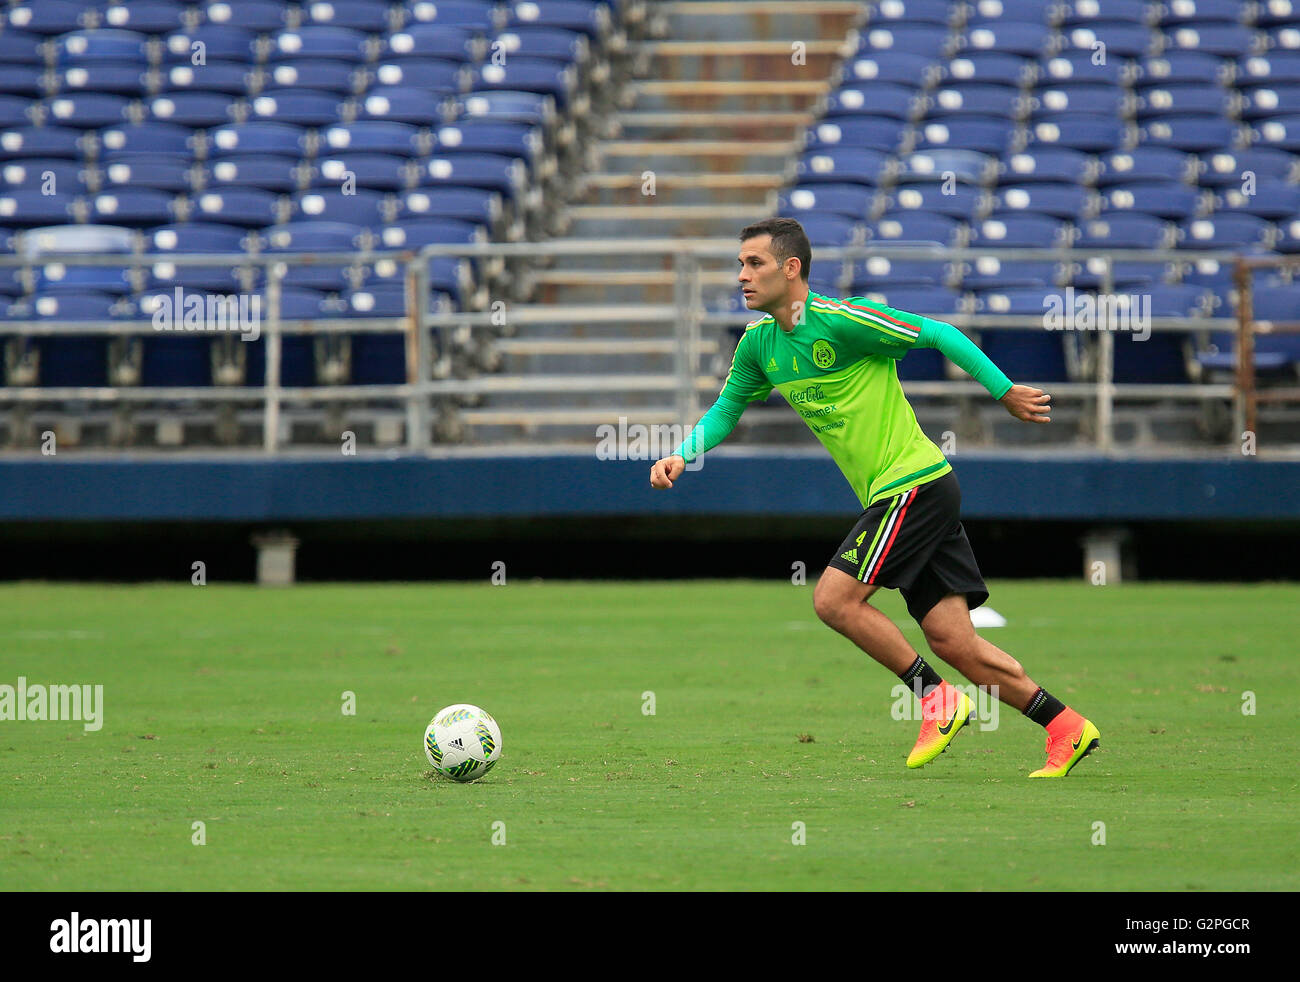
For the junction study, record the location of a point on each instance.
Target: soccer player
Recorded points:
(834, 361)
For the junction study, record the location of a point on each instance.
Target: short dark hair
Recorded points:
(788, 239)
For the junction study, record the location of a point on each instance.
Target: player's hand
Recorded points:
(667, 470)
(1028, 404)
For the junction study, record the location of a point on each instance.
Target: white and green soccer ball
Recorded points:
(462, 742)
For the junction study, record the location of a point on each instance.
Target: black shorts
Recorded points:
(914, 543)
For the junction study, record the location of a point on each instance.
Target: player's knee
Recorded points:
(950, 644)
(830, 605)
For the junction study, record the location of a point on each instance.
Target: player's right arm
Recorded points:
(744, 384)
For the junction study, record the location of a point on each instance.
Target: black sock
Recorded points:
(929, 677)
(1044, 707)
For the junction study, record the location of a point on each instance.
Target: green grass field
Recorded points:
(223, 705)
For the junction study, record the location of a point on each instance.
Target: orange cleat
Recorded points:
(943, 713)
(1070, 738)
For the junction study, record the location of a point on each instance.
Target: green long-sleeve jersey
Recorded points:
(837, 369)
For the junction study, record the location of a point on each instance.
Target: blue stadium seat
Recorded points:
(1145, 164)
(831, 230)
(993, 67)
(872, 99)
(1271, 199)
(876, 272)
(89, 47)
(1177, 300)
(228, 77)
(196, 237)
(1076, 131)
(1045, 163)
(1076, 65)
(1196, 11)
(1195, 134)
(475, 16)
(1288, 235)
(966, 166)
(146, 171)
(296, 107)
(338, 77)
(1223, 40)
(1124, 230)
(14, 112)
(979, 98)
(29, 207)
(980, 133)
(464, 204)
(258, 137)
(267, 172)
(1088, 11)
(841, 164)
(86, 110)
(262, 16)
(432, 74)
(1225, 231)
(297, 361)
(928, 301)
(41, 142)
(47, 16)
(332, 43)
(235, 205)
(1028, 356)
(531, 108)
(1068, 201)
(57, 277)
(320, 237)
(1166, 199)
(527, 75)
(1079, 97)
(69, 359)
(1157, 101)
(150, 137)
(1121, 39)
(1015, 302)
(20, 48)
(1126, 274)
(1278, 132)
(921, 39)
(146, 16)
(1208, 274)
(533, 42)
(959, 201)
(897, 227)
(220, 43)
(590, 18)
(192, 108)
(898, 68)
(1264, 101)
(366, 170)
(362, 207)
(1181, 67)
(430, 41)
(504, 175)
(914, 12)
(368, 16)
(372, 136)
(1027, 39)
(853, 200)
(414, 235)
(24, 80)
(862, 132)
(1226, 167)
(488, 136)
(1016, 231)
(64, 176)
(992, 273)
(103, 77)
(136, 207)
(397, 104)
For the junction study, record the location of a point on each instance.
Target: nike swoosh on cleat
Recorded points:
(944, 729)
(1074, 744)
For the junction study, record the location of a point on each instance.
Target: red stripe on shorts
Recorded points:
(892, 536)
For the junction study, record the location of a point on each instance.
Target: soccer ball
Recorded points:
(462, 742)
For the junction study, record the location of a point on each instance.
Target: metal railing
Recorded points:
(685, 316)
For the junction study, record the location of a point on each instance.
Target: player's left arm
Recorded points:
(1024, 402)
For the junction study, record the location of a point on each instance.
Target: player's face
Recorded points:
(761, 277)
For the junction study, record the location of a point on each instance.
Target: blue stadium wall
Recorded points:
(742, 513)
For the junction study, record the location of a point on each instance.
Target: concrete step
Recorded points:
(774, 20)
(713, 61)
(757, 189)
(696, 125)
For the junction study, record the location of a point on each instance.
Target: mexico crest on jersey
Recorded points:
(823, 354)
